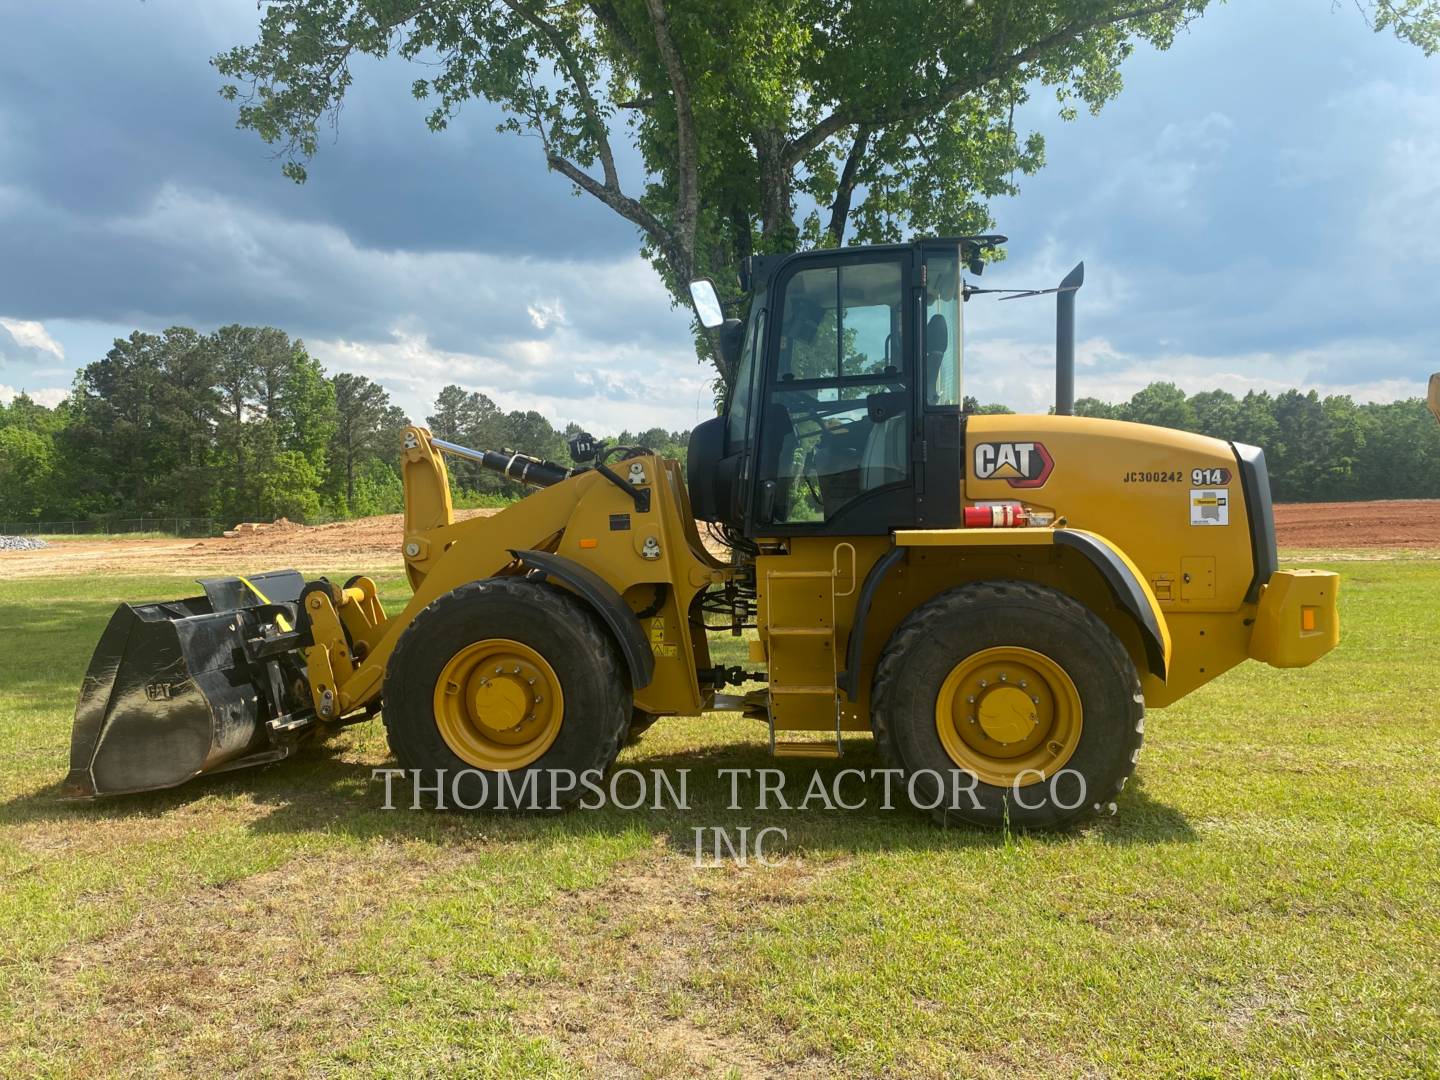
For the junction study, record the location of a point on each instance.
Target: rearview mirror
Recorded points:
(707, 304)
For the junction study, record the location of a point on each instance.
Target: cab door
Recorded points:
(838, 421)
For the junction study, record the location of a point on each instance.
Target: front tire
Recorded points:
(502, 691)
(1016, 698)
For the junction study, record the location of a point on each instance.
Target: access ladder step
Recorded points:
(800, 631)
(800, 574)
(812, 749)
(828, 691)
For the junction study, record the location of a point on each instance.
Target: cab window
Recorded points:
(737, 426)
(942, 329)
(837, 414)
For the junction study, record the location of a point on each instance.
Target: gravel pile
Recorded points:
(20, 543)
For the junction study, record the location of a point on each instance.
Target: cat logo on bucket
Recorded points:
(1020, 464)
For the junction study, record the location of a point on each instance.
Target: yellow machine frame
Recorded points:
(813, 592)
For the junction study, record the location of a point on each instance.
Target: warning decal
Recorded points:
(1209, 506)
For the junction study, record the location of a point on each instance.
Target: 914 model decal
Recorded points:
(1209, 476)
(1019, 464)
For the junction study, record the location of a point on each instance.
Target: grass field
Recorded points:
(1266, 902)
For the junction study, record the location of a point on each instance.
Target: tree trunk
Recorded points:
(840, 208)
(777, 212)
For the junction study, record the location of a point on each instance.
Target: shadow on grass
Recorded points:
(321, 790)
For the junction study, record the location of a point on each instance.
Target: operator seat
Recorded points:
(937, 342)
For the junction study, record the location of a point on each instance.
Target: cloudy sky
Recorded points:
(1260, 208)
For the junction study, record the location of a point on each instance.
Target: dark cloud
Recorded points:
(108, 101)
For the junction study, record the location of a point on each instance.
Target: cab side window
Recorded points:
(841, 322)
(942, 329)
(837, 416)
(737, 426)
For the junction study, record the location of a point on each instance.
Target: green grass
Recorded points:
(1266, 902)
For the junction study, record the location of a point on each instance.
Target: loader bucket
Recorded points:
(186, 687)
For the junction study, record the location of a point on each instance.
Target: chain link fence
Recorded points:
(169, 526)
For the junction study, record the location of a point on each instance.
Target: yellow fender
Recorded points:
(1132, 593)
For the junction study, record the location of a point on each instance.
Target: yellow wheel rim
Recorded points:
(498, 704)
(1009, 713)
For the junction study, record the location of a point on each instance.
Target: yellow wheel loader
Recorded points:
(997, 598)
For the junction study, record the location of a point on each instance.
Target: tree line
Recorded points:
(1318, 449)
(242, 425)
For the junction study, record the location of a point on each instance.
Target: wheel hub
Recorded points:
(1009, 713)
(1006, 714)
(498, 704)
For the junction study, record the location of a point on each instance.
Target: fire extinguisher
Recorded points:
(996, 516)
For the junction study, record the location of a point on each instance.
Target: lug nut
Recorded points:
(1002, 676)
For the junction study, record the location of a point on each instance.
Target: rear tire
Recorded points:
(448, 713)
(1083, 733)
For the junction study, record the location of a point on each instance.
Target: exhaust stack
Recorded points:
(1065, 341)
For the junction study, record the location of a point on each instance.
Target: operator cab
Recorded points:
(844, 415)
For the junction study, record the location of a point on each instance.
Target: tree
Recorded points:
(27, 460)
(121, 434)
(1301, 449)
(304, 413)
(891, 116)
(1089, 406)
(237, 383)
(367, 426)
(1217, 413)
(187, 407)
(1255, 419)
(289, 487)
(1162, 404)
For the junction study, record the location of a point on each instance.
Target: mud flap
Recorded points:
(193, 686)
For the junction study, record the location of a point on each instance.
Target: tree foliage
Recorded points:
(760, 125)
(472, 419)
(1317, 449)
(240, 424)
